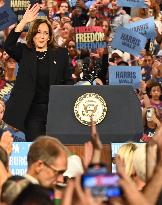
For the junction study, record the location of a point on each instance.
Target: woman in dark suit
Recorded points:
(41, 64)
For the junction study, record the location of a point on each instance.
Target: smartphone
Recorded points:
(97, 168)
(66, 14)
(151, 159)
(102, 185)
(51, 193)
(149, 113)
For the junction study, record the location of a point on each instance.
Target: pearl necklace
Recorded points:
(42, 57)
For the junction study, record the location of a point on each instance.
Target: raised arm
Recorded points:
(29, 16)
(11, 46)
(97, 144)
(154, 185)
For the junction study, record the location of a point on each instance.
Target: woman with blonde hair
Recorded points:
(126, 153)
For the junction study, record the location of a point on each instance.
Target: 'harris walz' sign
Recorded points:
(132, 3)
(125, 75)
(7, 17)
(89, 37)
(20, 6)
(146, 27)
(128, 41)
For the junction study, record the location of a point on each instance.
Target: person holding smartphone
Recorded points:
(63, 12)
(152, 123)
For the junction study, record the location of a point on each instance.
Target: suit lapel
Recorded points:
(53, 66)
(31, 58)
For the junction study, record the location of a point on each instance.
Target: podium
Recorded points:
(122, 122)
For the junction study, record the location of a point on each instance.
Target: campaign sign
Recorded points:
(132, 3)
(89, 37)
(20, 6)
(72, 3)
(128, 41)
(146, 27)
(18, 158)
(7, 17)
(125, 75)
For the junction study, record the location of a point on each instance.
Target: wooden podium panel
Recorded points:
(106, 153)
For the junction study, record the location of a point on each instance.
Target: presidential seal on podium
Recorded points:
(90, 104)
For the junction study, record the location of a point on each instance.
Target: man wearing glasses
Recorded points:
(47, 161)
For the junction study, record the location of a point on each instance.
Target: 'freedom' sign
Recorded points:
(146, 27)
(89, 37)
(125, 75)
(132, 3)
(128, 41)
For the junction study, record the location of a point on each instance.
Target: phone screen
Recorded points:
(105, 185)
(97, 169)
(66, 14)
(51, 194)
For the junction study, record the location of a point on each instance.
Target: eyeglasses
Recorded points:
(64, 6)
(55, 172)
(147, 60)
(70, 46)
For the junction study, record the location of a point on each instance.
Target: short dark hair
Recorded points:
(154, 84)
(123, 63)
(33, 194)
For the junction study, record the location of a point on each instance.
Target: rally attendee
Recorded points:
(151, 124)
(47, 161)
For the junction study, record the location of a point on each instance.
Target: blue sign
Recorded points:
(128, 41)
(7, 17)
(132, 3)
(125, 75)
(18, 158)
(72, 3)
(146, 27)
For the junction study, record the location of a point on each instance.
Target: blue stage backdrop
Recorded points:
(18, 159)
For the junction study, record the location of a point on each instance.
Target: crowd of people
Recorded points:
(41, 50)
(81, 66)
(57, 176)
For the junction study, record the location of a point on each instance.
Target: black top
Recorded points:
(42, 79)
(24, 90)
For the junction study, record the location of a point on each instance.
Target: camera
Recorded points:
(101, 183)
(149, 113)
